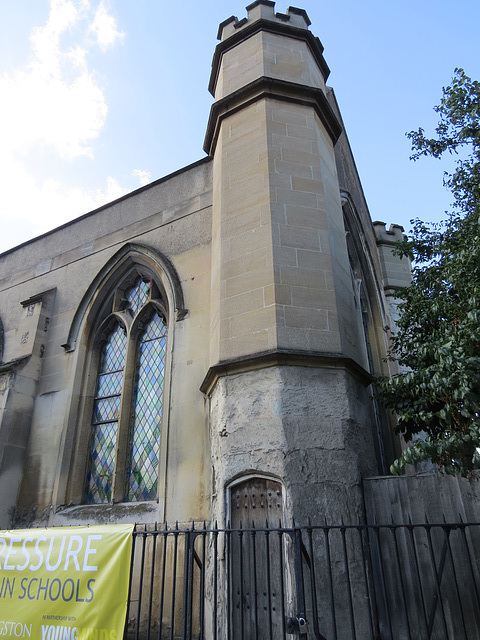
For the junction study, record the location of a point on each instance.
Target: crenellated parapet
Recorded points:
(263, 10)
(298, 59)
(392, 235)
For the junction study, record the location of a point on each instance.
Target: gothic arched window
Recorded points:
(123, 456)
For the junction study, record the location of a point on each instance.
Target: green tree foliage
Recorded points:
(438, 336)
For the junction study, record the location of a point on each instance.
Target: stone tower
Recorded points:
(274, 287)
(289, 376)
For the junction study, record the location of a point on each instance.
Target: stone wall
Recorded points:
(39, 420)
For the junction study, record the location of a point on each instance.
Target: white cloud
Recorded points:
(52, 108)
(55, 101)
(144, 177)
(31, 206)
(104, 26)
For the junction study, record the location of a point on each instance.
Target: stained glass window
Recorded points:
(133, 476)
(138, 295)
(106, 411)
(142, 471)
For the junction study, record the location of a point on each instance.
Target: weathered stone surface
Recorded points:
(310, 428)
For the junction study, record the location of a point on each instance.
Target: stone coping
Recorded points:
(282, 358)
(266, 87)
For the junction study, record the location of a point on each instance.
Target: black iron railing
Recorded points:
(382, 581)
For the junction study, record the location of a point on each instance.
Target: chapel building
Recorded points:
(214, 333)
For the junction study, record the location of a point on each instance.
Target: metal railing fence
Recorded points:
(383, 581)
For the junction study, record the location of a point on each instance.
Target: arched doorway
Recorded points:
(260, 584)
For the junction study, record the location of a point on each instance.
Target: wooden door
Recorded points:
(257, 560)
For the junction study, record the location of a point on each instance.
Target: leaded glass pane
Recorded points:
(142, 473)
(138, 295)
(110, 383)
(102, 463)
(106, 409)
(113, 352)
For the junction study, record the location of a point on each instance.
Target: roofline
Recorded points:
(108, 204)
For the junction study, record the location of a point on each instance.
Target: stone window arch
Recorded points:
(121, 341)
(371, 321)
(131, 346)
(368, 300)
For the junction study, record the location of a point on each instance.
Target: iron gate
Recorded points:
(383, 581)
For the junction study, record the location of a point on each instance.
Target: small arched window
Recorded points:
(123, 456)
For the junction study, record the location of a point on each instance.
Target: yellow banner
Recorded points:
(67, 583)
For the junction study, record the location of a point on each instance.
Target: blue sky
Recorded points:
(99, 97)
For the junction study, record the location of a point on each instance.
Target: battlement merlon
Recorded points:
(262, 17)
(388, 236)
(263, 10)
